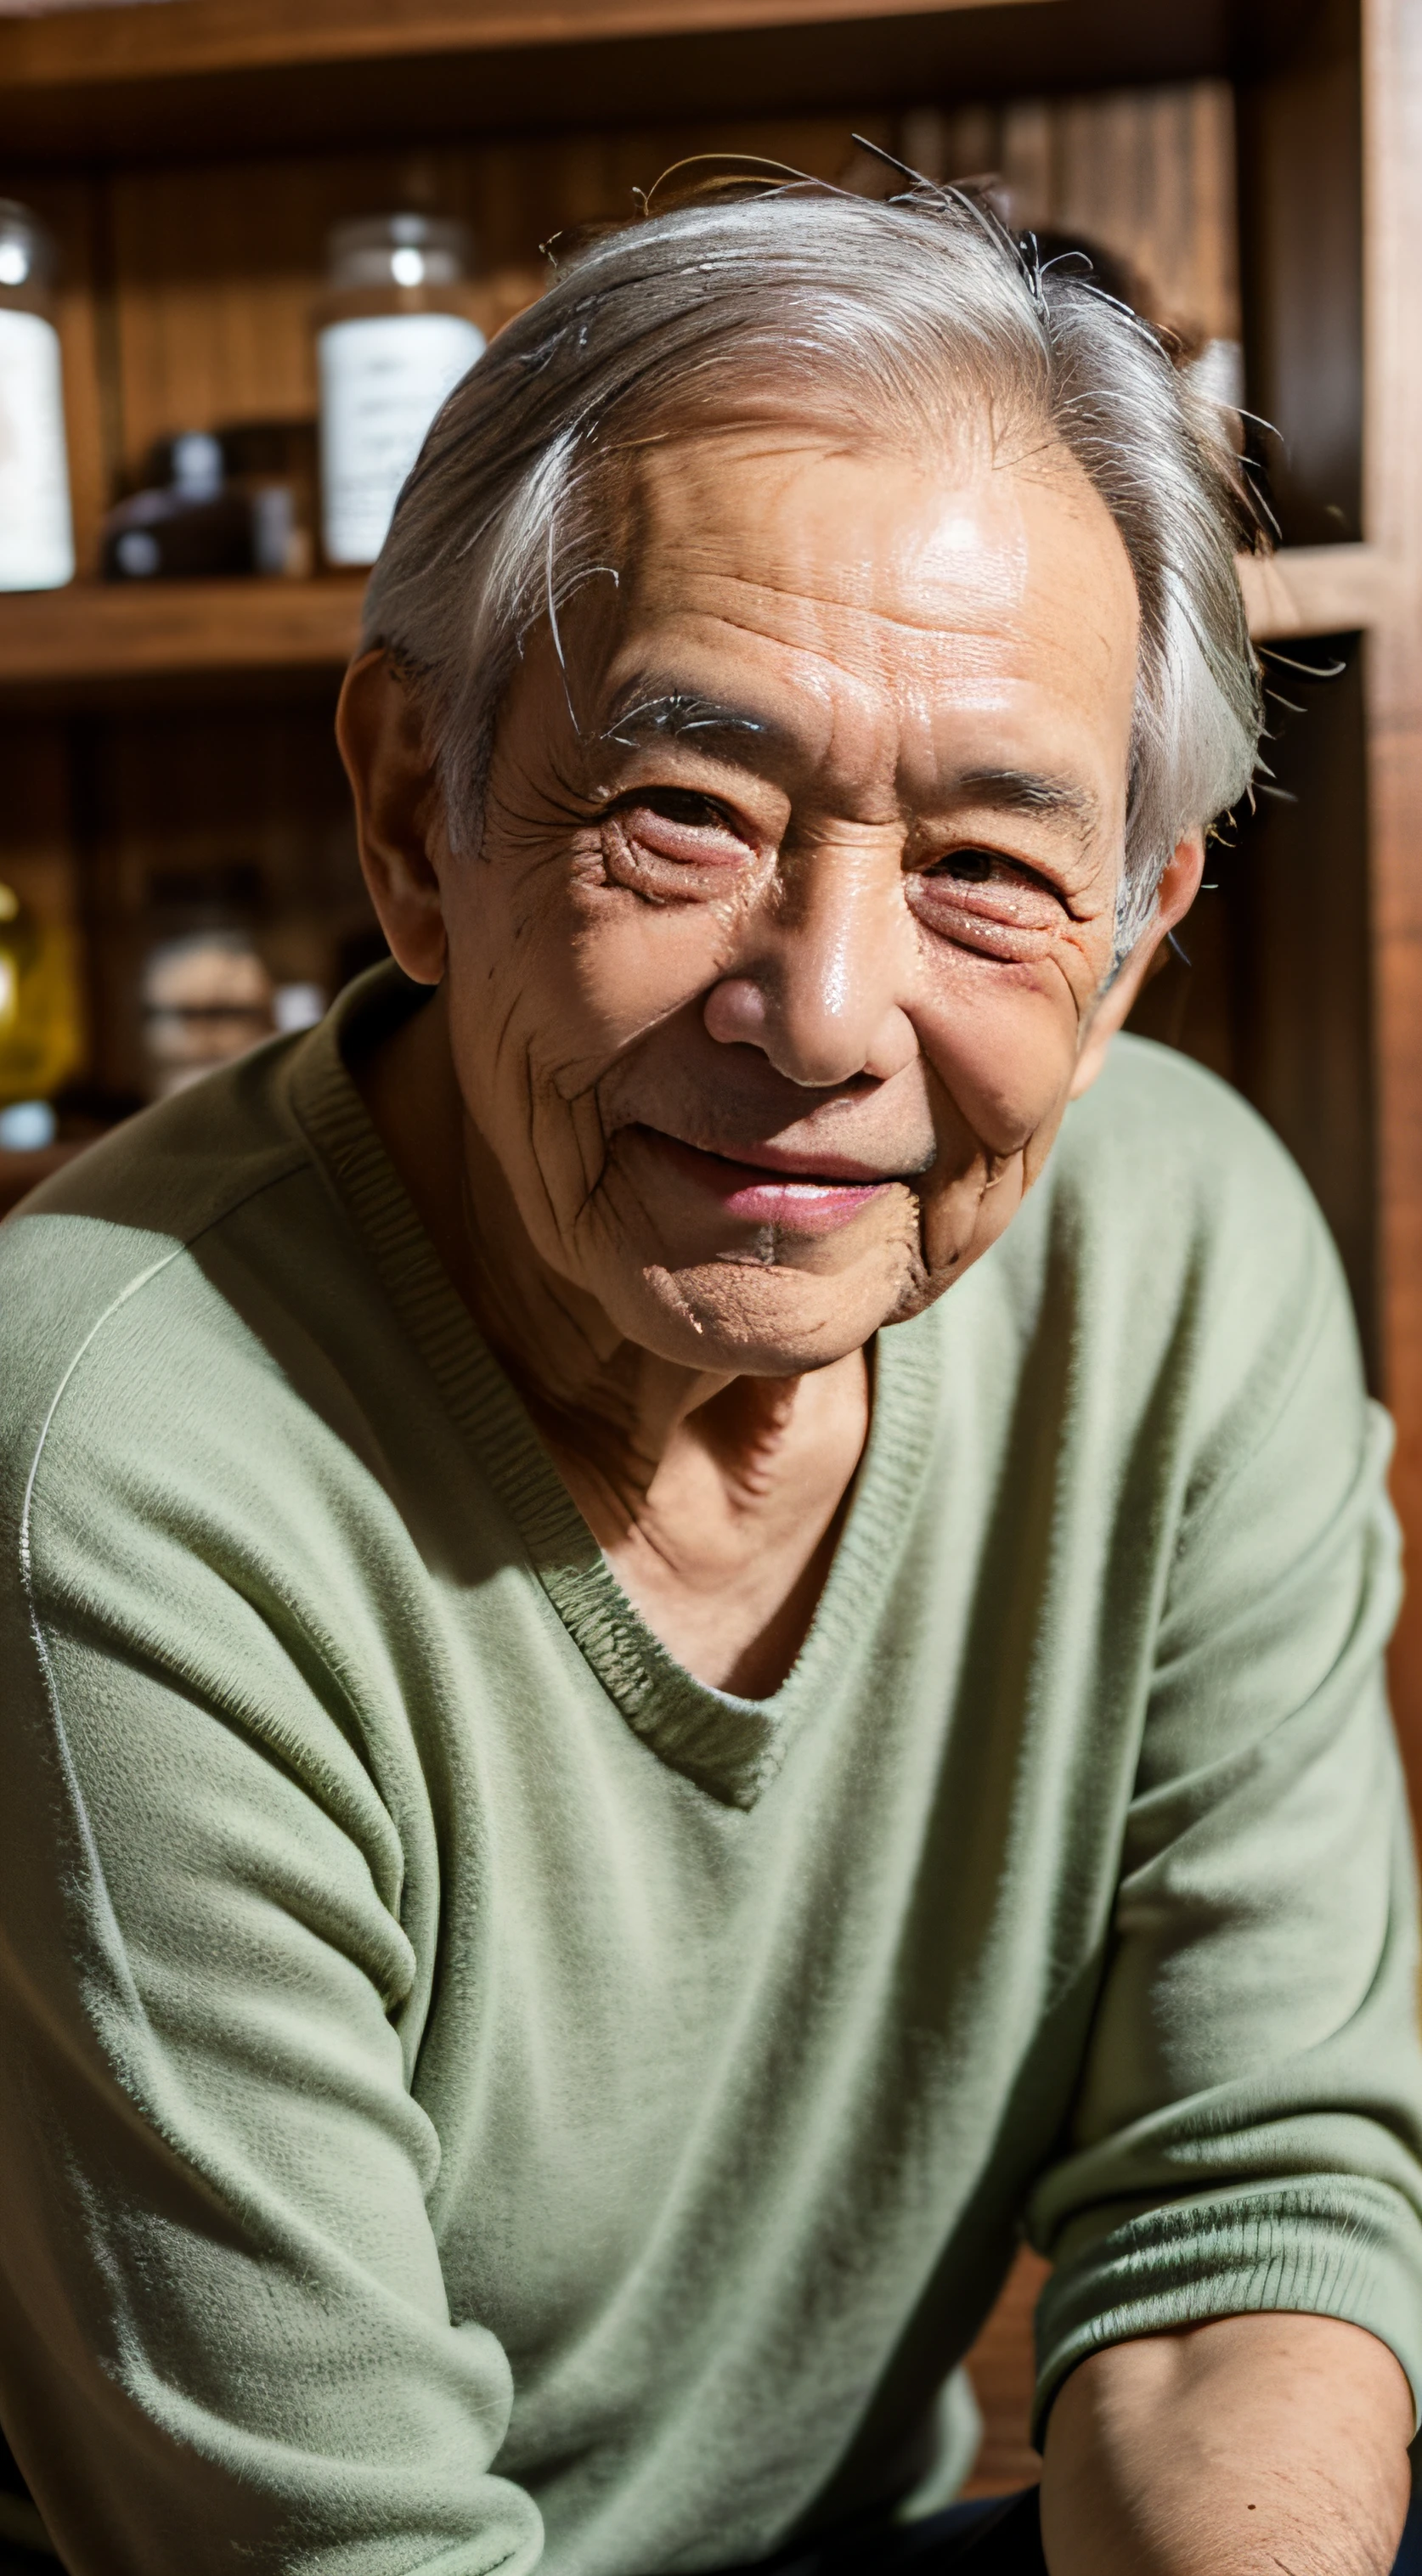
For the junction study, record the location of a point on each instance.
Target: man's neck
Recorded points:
(717, 1499)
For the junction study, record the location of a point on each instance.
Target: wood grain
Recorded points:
(1002, 2368)
(1148, 173)
(120, 45)
(36, 854)
(1392, 163)
(1319, 590)
(102, 631)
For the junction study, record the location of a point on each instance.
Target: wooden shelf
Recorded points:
(193, 77)
(1317, 590)
(119, 46)
(102, 631)
(96, 632)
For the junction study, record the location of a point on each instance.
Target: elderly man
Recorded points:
(606, 1792)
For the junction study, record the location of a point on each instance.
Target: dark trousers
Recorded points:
(999, 2536)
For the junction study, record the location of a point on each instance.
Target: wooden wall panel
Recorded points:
(1305, 981)
(1300, 136)
(1303, 968)
(1149, 173)
(1002, 2368)
(36, 840)
(1392, 167)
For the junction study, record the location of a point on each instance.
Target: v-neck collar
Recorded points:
(731, 1747)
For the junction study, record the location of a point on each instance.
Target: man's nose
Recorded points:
(825, 970)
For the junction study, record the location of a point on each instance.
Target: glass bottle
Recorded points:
(394, 336)
(40, 1036)
(36, 526)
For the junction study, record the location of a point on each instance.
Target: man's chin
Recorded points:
(769, 1319)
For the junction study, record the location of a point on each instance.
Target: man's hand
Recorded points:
(1243, 2448)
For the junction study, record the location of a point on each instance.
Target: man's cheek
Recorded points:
(961, 1217)
(624, 966)
(999, 1068)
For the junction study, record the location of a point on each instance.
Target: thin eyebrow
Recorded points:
(1029, 791)
(678, 714)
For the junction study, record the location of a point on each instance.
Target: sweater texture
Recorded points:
(475, 2097)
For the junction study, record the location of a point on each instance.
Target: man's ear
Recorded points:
(1174, 895)
(382, 744)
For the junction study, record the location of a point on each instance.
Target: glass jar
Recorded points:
(394, 336)
(205, 991)
(36, 527)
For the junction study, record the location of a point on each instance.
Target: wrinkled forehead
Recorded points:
(787, 579)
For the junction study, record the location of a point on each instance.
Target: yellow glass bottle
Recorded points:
(40, 1036)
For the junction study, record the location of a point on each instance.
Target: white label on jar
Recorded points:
(36, 530)
(382, 381)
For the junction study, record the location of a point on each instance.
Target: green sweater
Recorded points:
(471, 2090)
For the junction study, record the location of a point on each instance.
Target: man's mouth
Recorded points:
(798, 1193)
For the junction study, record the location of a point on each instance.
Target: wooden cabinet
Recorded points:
(191, 154)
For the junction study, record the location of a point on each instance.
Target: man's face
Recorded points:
(797, 886)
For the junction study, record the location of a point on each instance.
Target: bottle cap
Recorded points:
(398, 250)
(26, 250)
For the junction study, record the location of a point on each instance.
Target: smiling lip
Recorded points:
(799, 1194)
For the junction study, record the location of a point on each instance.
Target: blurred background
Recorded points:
(246, 245)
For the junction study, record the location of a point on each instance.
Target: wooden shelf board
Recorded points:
(1317, 590)
(103, 631)
(100, 632)
(189, 78)
(121, 45)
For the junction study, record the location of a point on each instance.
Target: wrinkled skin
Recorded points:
(779, 938)
(788, 939)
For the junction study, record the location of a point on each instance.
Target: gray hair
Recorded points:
(904, 317)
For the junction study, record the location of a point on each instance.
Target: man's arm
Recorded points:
(1244, 2150)
(1241, 2448)
(225, 2333)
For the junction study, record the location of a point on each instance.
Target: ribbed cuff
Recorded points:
(1348, 2251)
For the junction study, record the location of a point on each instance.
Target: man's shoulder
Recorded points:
(101, 1268)
(1167, 1157)
(1172, 1241)
(181, 1166)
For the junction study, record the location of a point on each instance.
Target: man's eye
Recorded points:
(682, 805)
(671, 844)
(970, 867)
